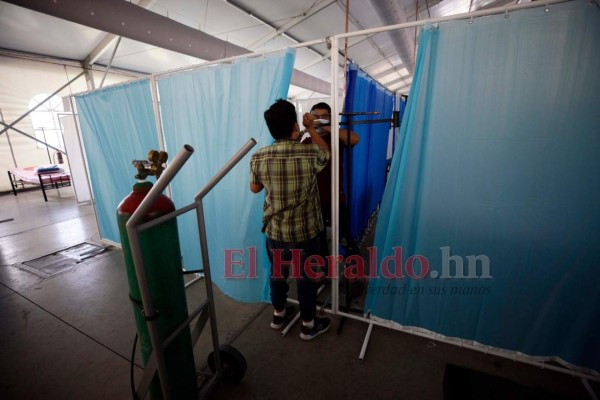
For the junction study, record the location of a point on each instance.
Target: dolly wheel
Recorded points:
(234, 363)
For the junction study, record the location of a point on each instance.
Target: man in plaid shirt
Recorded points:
(287, 170)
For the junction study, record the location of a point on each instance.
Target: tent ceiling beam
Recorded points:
(122, 18)
(109, 39)
(290, 24)
(264, 21)
(390, 13)
(369, 37)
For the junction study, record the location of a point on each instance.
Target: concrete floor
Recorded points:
(70, 336)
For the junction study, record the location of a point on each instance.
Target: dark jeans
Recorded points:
(307, 287)
(343, 226)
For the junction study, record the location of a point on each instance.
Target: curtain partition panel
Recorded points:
(117, 126)
(217, 110)
(493, 196)
(368, 164)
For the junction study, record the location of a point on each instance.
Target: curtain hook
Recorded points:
(471, 20)
(505, 13)
(547, 9)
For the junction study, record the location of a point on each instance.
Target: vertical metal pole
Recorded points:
(208, 281)
(89, 77)
(335, 174)
(204, 244)
(158, 120)
(149, 311)
(84, 158)
(47, 149)
(12, 153)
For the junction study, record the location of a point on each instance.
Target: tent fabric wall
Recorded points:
(498, 157)
(368, 159)
(217, 110)
(117, 126)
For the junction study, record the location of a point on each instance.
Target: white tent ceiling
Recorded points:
(249, 25)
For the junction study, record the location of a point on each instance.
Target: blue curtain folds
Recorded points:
(217, 110)
(117, 126)
(496, 169)
(368, 158)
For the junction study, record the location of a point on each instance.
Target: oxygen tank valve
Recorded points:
(153, 166)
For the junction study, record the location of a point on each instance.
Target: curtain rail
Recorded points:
(247, 55)
(468, 15)
(206, 64)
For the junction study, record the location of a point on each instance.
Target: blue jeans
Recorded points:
(307, 287)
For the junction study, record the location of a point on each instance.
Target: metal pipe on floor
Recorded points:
(363, 350)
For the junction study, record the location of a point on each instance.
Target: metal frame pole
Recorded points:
(158, 119)
(39, 104)
(204, 244)
(112, 56)
(12, 153)
(363, 350)
(31, 137)
(335, 176)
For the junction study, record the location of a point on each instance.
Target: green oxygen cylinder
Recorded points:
(162, 263)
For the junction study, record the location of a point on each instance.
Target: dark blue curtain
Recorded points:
(366, 165)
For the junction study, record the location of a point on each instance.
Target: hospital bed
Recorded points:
(45, 176)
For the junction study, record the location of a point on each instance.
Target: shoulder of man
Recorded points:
(262, 151)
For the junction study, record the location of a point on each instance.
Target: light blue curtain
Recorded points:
(368, 159)
(117, 126)
(217, 110)
(499, 156)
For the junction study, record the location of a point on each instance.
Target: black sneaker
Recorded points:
(279, 322)
(321, 325)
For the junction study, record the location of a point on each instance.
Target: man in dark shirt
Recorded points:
(322, 114)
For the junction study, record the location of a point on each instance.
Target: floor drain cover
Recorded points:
(55, 263)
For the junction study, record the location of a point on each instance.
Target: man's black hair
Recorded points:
(321, 106)
(281, 118)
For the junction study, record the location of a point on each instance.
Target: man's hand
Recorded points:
(256, 187)
(308, 120)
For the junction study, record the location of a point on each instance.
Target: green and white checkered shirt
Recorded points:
(288, 171)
